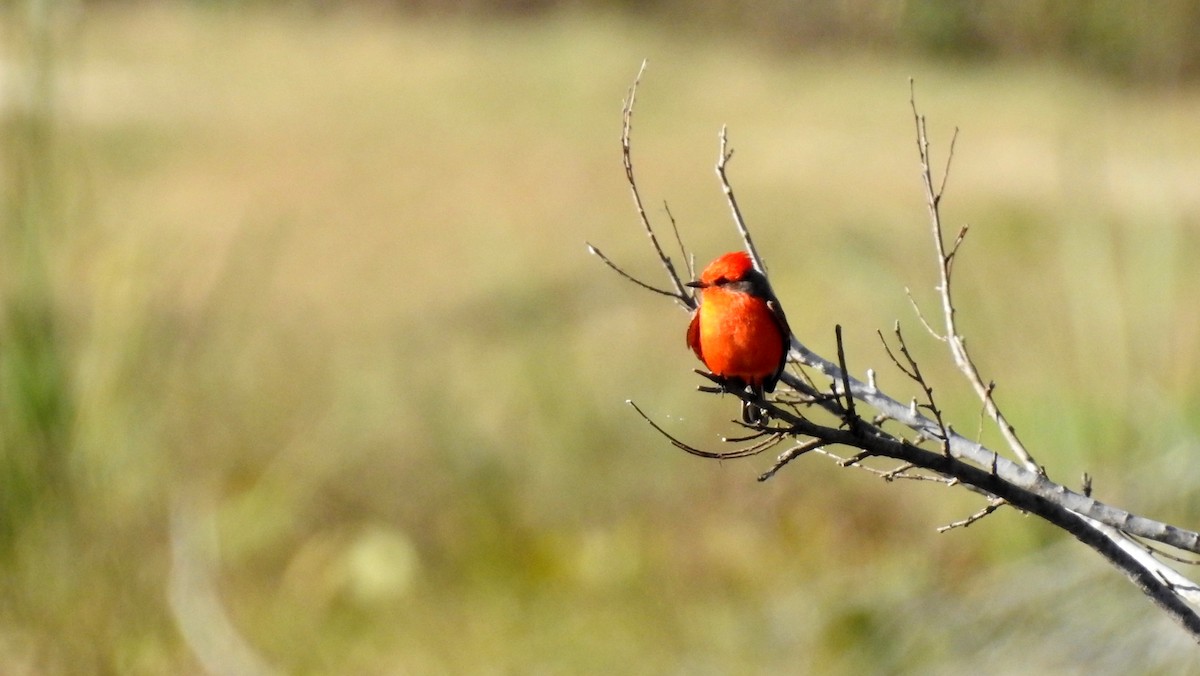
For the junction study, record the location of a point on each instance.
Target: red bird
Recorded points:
(739, 330)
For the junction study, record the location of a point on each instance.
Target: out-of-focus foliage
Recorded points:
(1139, 43)
(303, 361)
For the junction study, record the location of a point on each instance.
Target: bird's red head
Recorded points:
(730, 267)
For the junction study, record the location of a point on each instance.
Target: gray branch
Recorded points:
(1020, 483)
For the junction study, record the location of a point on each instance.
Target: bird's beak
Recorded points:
(696, 285)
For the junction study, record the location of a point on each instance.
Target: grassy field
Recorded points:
(306, 364)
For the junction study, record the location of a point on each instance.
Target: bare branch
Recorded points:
(961, 447)
(627, 159)
(1166, 587)
(740, 223)
(961, 461)
(958, 346)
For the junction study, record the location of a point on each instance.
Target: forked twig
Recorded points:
(627, 159)
(680, 293)
(726, 153)
(913, 371)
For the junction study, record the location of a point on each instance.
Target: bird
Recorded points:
(739, 330)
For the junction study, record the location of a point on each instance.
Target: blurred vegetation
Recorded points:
(1153, 44)
(314, 283)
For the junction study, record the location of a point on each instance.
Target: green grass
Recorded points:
(330, 274)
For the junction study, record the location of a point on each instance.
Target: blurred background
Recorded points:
(305, 368)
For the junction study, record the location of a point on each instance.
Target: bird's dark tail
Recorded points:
(753, 414)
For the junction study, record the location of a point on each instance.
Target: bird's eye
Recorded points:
(721, 281)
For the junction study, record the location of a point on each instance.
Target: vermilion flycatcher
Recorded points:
(739, 330)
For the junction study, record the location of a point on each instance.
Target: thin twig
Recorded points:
(757, 434)
(993, 505)
(899, 472)
(981, 418)
(946, 172)
(746, 452)
(958, 240)
(851, 415)
(688, 260)
(670, 294)
(627, 159)
(790, 455)
(740, 223)
(921, 315)
(857, 458)
(891, 355)
(1167, 555)
(913, 371)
